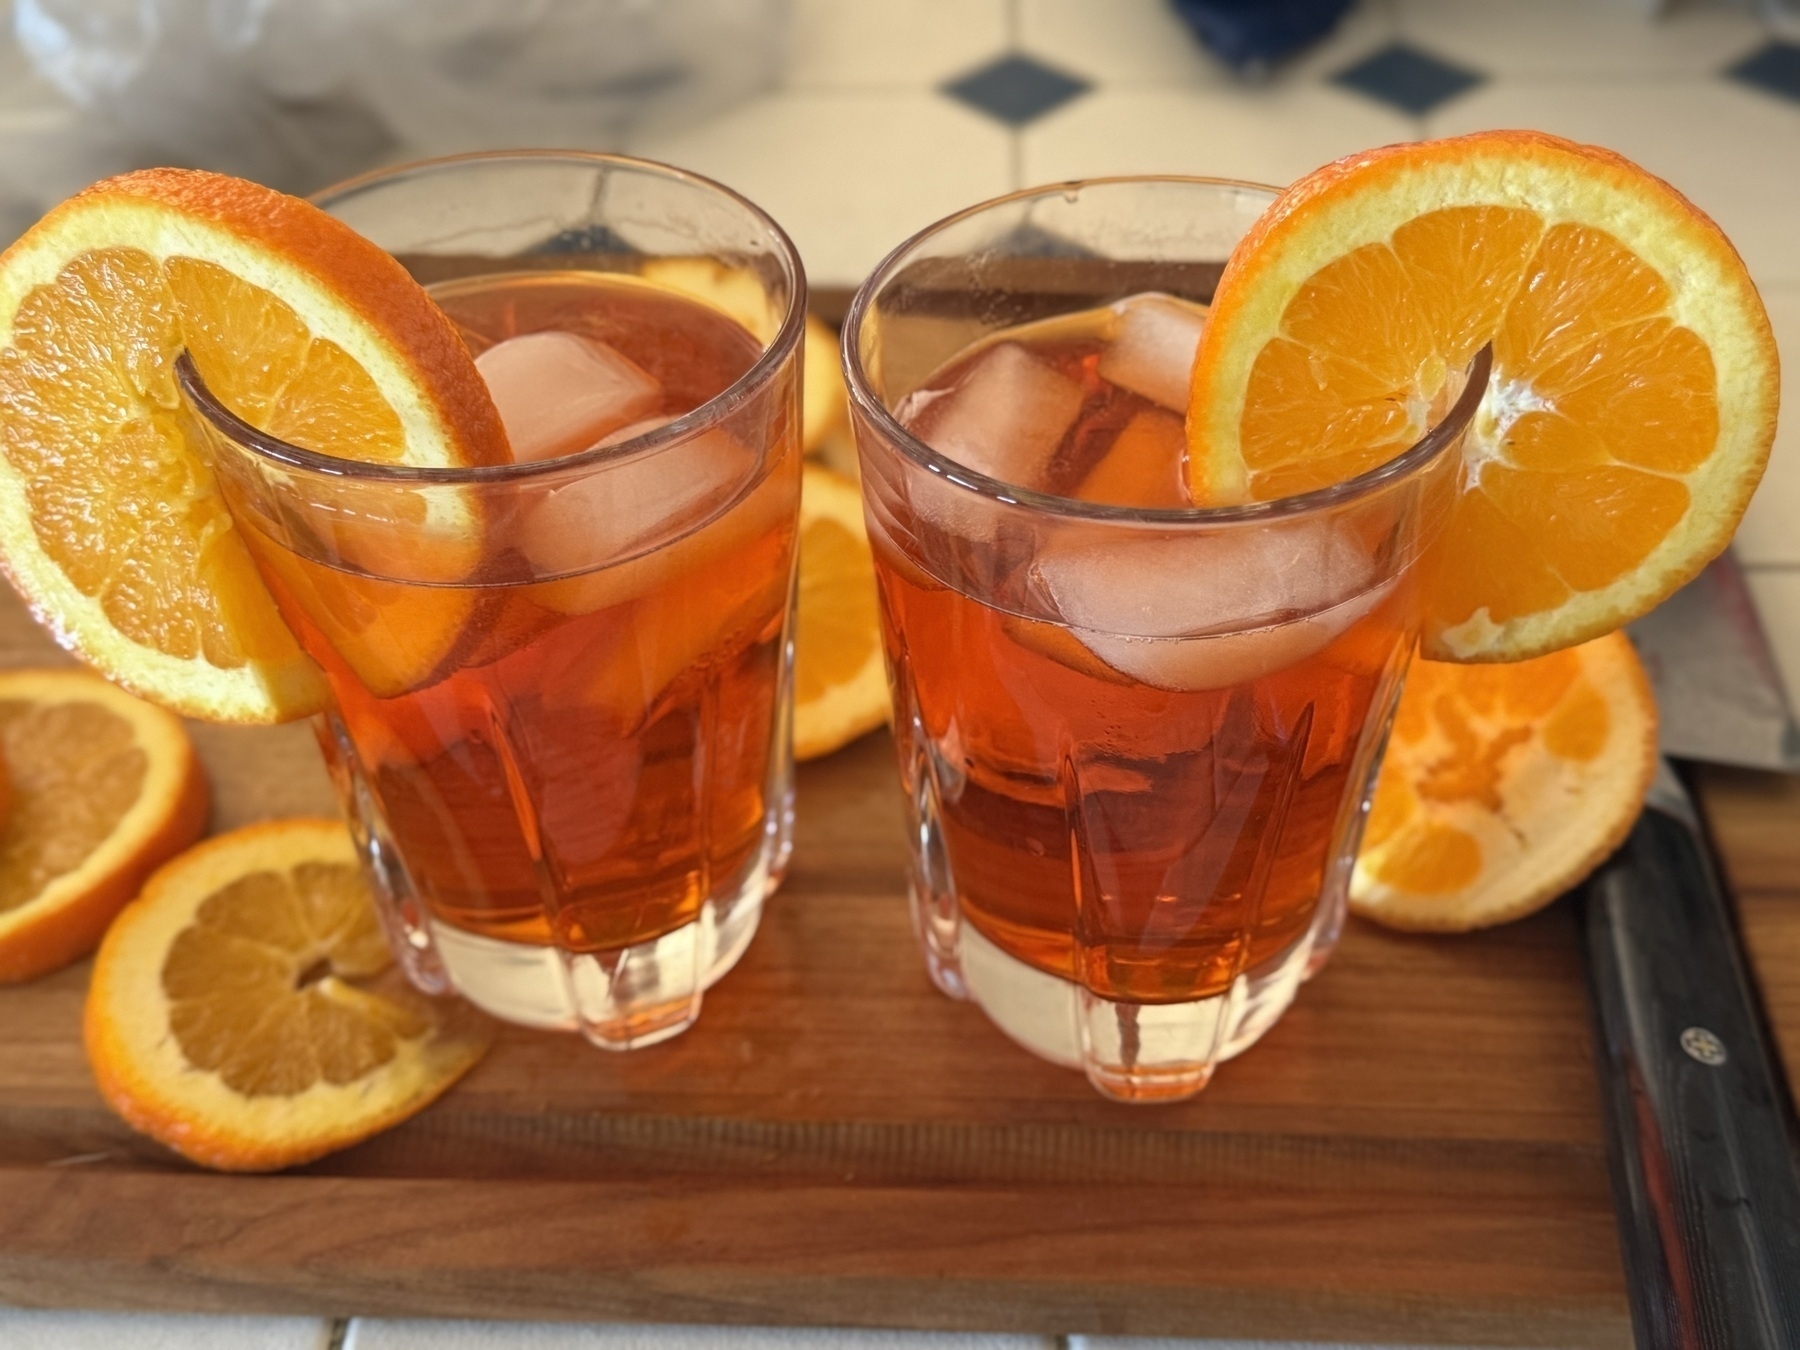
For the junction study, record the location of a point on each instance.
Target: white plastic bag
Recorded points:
(299, 93)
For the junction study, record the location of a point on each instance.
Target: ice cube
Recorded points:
(559, 393)
(1152, 351)
(611, 510)
(597, 524)
(1206, 611)
(1005, 417)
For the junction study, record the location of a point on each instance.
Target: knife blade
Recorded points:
(1701, 1137)
(1718, 693)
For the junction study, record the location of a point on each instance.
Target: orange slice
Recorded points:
(840, 682)
(245, 1012)
(824, 398)
(1634, 387)
(825, 433)
(1505, 785)
(103, 788)
(736, 291)
(111, 522)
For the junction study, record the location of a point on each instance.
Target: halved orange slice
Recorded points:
(840, 681)
(103, 788)
(111, 522)
(1634, 387)
(1505, 785)
(245, 1012)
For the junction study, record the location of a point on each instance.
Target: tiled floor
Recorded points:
(377, 1335)
(863, 144)
(145, 1331)
(873, 135)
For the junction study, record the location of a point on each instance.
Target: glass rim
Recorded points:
(1440, 435)
(715, 410)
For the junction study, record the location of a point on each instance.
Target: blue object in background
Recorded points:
(1254, 34)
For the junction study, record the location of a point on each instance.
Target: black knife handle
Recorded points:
(1702, 1158)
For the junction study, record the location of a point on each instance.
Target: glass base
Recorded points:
(1131, 1052)
(619, 1000)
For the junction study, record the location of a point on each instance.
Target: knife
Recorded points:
(1717, 691)
(1701, 1132)
(1700, 1137)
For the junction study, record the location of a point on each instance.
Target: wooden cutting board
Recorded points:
(1414, 1154)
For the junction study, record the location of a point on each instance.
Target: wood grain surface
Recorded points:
(1413, 1155)
(1755, 822)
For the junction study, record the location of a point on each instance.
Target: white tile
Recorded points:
(849, 175)
(892, 42)
(1770, 532)
(20, 1330)
(1734, 151)
(1777, 594)
(1140, 42)
(1163, 1343)
(1268, 135)
(1585, 38)
(370, 1334)
(1368, 27)
(1136, 41)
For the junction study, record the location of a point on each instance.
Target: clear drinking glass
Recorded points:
(1136, 743)
(561, 688)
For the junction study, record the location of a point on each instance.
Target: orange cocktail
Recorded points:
(560, 685)
(1136, 737)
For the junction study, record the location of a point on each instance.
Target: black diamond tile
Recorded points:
(585, 239)
(1016, 89)
(1774, 68)
(1406, 78)
(1033, 241)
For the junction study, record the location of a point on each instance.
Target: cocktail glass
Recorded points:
(1136, 742)
(561, 688)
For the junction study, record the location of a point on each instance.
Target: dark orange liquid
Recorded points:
(584, 768)
(1148, 843)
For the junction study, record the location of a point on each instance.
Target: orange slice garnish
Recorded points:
(840, 683)
(1504, 785)
(1631, 406)
(103, 788)
(245, 1011)
(111, 522)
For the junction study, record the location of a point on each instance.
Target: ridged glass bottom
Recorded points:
(619, 1000)
(623, 999)
(1131, 1052)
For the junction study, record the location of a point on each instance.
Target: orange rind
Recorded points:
(245, 1011)
(840, 681)
(112, 523)
(1633, 395)
(103, 788)
(1505, 785)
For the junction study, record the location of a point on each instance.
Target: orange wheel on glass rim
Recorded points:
(1632, 402)
(245, 1010)
(103, 788)
(1504, 785)
(111, 523)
